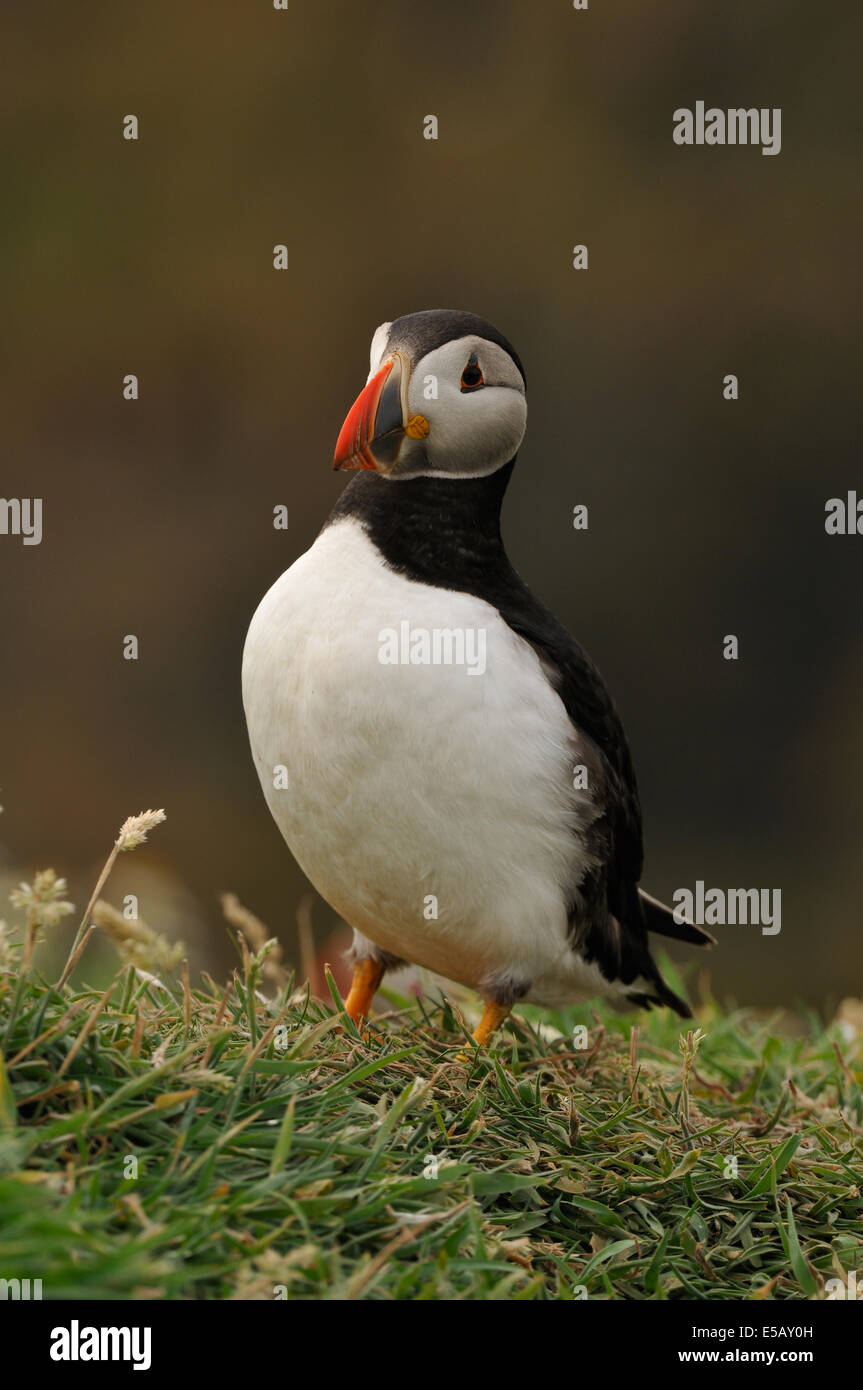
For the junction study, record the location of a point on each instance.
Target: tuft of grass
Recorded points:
(162, 1141)
(159, 1141)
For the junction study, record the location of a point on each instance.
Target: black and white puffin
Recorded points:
(477, 816)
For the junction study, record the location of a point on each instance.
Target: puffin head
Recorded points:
(445, 397)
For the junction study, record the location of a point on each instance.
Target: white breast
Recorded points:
(434, 809)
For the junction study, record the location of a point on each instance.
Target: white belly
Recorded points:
(432, 808)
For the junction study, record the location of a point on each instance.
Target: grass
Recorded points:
(158, 1143)
(169, 1142)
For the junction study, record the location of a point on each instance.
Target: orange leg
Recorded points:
(367, 977)
(493, 1016)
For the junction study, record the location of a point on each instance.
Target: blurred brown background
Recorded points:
(706, 517)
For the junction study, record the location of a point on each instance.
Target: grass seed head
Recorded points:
(137, 943)
(135, 829)
(42, 899)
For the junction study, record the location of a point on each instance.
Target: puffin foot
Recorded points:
(493, 1015)
(364, 986)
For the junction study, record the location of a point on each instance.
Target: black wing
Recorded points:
(607, 916)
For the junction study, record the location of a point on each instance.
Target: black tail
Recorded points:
(663, 995)
(660, 919)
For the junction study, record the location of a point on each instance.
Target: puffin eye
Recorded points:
(472, 376)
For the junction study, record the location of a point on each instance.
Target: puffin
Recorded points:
(442, 758)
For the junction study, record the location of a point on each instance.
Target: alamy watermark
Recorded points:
(844, 515)
(18, 1289)
(22, 516)
(437, 646)
(718, 907)
(77, 1343)
(849, 1288)
(740, 125)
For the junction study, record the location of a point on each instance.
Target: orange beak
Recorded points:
(379, 421)
(362, 426)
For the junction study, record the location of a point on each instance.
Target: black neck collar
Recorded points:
(440, 531)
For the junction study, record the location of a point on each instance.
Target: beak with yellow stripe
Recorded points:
(380, 420)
